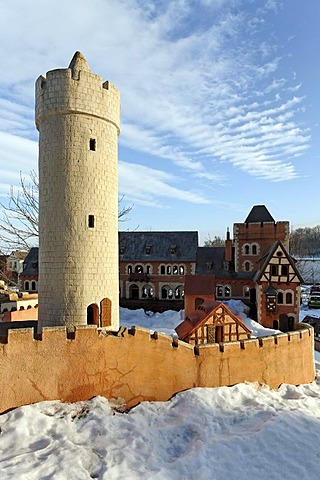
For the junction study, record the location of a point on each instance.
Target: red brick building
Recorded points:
(153, 266)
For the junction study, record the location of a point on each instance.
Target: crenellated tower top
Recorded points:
(76, 90)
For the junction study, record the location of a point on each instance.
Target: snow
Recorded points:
(166, 322)
(227, 433)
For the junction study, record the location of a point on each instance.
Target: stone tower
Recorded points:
(78, 118)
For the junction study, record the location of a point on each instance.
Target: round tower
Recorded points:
(78, 118)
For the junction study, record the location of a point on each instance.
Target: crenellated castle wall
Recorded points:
(137, 366)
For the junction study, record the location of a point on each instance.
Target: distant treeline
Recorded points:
(305, 242)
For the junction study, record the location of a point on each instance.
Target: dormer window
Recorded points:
(173, 249)
(122, 249)
(148, 250)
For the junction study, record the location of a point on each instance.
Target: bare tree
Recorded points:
(217, 241)
(19, 222)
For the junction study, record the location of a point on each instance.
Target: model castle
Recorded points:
(78, 351)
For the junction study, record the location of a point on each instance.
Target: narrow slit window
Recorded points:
(92, 144)
(91, 221)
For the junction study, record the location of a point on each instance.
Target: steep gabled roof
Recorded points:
(259, 213)
(269, 255)
(158, 246)
(30, 264)
(201, 315)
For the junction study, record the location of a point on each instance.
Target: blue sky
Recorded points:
(220, 102)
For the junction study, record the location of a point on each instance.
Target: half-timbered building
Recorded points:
(212, 322)
(278, 289)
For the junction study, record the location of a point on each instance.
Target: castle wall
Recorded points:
(137, 366)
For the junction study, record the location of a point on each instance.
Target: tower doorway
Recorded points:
(93, 314)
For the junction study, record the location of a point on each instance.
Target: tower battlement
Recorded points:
(76, 90)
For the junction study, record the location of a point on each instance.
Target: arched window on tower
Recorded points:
(289, 298)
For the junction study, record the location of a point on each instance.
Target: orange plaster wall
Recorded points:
(138, 367)
(19, 315)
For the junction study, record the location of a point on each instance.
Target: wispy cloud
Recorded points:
(198, 86)
(147, 186)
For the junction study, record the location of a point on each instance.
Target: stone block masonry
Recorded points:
(78, 118)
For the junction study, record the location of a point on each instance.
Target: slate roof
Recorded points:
(259, 213)
(30, 264)
(210, 261)
(162, 246)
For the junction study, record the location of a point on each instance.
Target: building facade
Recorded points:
(153, 266)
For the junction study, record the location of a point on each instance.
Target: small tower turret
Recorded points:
(78, 118)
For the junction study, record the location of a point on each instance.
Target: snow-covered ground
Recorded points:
(167, 321)
(227, 433)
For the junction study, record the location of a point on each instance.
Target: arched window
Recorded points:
(179, 292)
(169, 270)
(246, 249)
(246, 291)
(138, 269)
(134, 291)
(33, 285)
(129, 268)
(219, 291)
(280, 298)
(170, 294)
(289, 298)
(164, 293)
(26, 285)
(227, 291)
(162, 270)
(175, 270)
(254, 249)
(147, 291)
(247, 266)
(181, 270)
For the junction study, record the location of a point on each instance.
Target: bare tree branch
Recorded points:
(19, 222)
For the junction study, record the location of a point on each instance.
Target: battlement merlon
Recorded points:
(75, 90)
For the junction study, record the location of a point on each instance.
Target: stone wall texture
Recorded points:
(137, 366)
(78, 118)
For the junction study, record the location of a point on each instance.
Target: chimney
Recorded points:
(228, 247)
